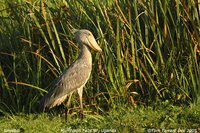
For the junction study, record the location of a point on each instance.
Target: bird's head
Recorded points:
(85, 37)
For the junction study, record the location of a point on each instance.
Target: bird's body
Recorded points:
(76, 76)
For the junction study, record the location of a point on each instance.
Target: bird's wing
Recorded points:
(73, 78)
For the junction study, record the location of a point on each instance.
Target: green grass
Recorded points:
(122, 119)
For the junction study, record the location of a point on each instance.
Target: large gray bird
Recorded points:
(75, 77)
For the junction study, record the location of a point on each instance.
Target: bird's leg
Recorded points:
(66, 113)
(69, 100)
(67, 106)
(80, 92)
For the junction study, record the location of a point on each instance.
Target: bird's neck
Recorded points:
(85, 55)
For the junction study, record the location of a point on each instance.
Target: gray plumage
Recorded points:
(77, 74)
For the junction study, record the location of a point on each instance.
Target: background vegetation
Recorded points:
(150, 52)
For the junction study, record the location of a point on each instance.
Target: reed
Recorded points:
(150, 51)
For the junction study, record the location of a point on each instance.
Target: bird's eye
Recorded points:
(89, 34)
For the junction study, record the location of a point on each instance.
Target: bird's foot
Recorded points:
(81, 114)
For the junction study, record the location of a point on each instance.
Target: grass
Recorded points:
(122, 119)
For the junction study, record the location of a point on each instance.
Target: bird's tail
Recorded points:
(46, 103)
(41, 106)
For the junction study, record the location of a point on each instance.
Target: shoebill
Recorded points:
(76, 76)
